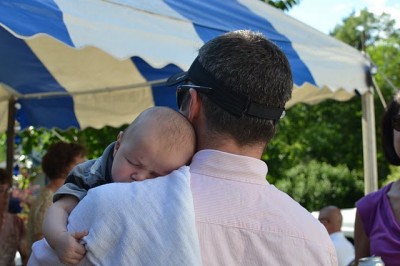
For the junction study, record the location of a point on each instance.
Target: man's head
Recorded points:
(250, 81)
(331, 218)
(157, 142)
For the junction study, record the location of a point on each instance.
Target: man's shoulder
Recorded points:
(180, 176)
(293, 221)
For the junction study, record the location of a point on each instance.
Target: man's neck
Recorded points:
(227, 144)
(209, 139)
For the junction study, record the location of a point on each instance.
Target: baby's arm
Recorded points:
(66, 244)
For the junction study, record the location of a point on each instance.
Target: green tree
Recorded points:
(315, 184)
(316, 156)
(314, 140)
(328, 132)
(3, 150)
(95, 140)
(284, 5)
(382, 45)
(376, 29)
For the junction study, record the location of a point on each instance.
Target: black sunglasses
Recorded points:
(396, 122)
(182, 89)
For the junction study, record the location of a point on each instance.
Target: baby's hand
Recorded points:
(69, 249)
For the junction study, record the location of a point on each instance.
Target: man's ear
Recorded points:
(194, 106)
(118, 142)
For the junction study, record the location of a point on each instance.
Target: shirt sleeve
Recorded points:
(70, 189)
(85, 176)
(78, 182)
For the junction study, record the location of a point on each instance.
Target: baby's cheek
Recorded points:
(120, 178)
(117, 175)
(124, 173)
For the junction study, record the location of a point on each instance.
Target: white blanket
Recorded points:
(140, 223)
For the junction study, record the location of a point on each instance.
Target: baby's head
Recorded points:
(157, 142)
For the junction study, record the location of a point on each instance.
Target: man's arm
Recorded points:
(66, 245)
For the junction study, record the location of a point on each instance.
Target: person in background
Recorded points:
(377, 223)
(12, 230)
(331, 218)
(58, 161)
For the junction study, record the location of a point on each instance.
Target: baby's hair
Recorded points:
(174, 130)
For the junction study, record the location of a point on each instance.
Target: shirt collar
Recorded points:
(221, 164)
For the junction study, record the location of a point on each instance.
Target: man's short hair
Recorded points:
(249, 65)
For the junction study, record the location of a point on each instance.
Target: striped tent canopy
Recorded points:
(91, 63)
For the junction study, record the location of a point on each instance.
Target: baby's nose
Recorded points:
(133, 177)
(139, 176)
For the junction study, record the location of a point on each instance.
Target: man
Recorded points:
(331, 218)
(234, 94)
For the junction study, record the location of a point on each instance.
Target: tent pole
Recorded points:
(10, 136)
(369, 142)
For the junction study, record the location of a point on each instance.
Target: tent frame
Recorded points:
(369, 142)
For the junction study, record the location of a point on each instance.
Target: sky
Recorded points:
(324, 15)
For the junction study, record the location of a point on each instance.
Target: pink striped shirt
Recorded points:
(241, 219)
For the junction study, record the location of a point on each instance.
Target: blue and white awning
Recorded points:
(93, 63)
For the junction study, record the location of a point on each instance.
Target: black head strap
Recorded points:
(228, 100)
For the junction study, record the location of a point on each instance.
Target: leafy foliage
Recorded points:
(317, 154)
(95, 140)
(284, 5)
(317, 150)
(329, 132)
(315, 184)
(3, 147)
(382, 45)
(376, 29)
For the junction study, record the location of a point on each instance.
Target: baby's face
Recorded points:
(140, 158)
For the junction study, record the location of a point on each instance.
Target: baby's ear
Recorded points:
(118, 142)
(120, 135)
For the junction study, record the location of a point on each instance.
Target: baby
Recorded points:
(157, 142)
